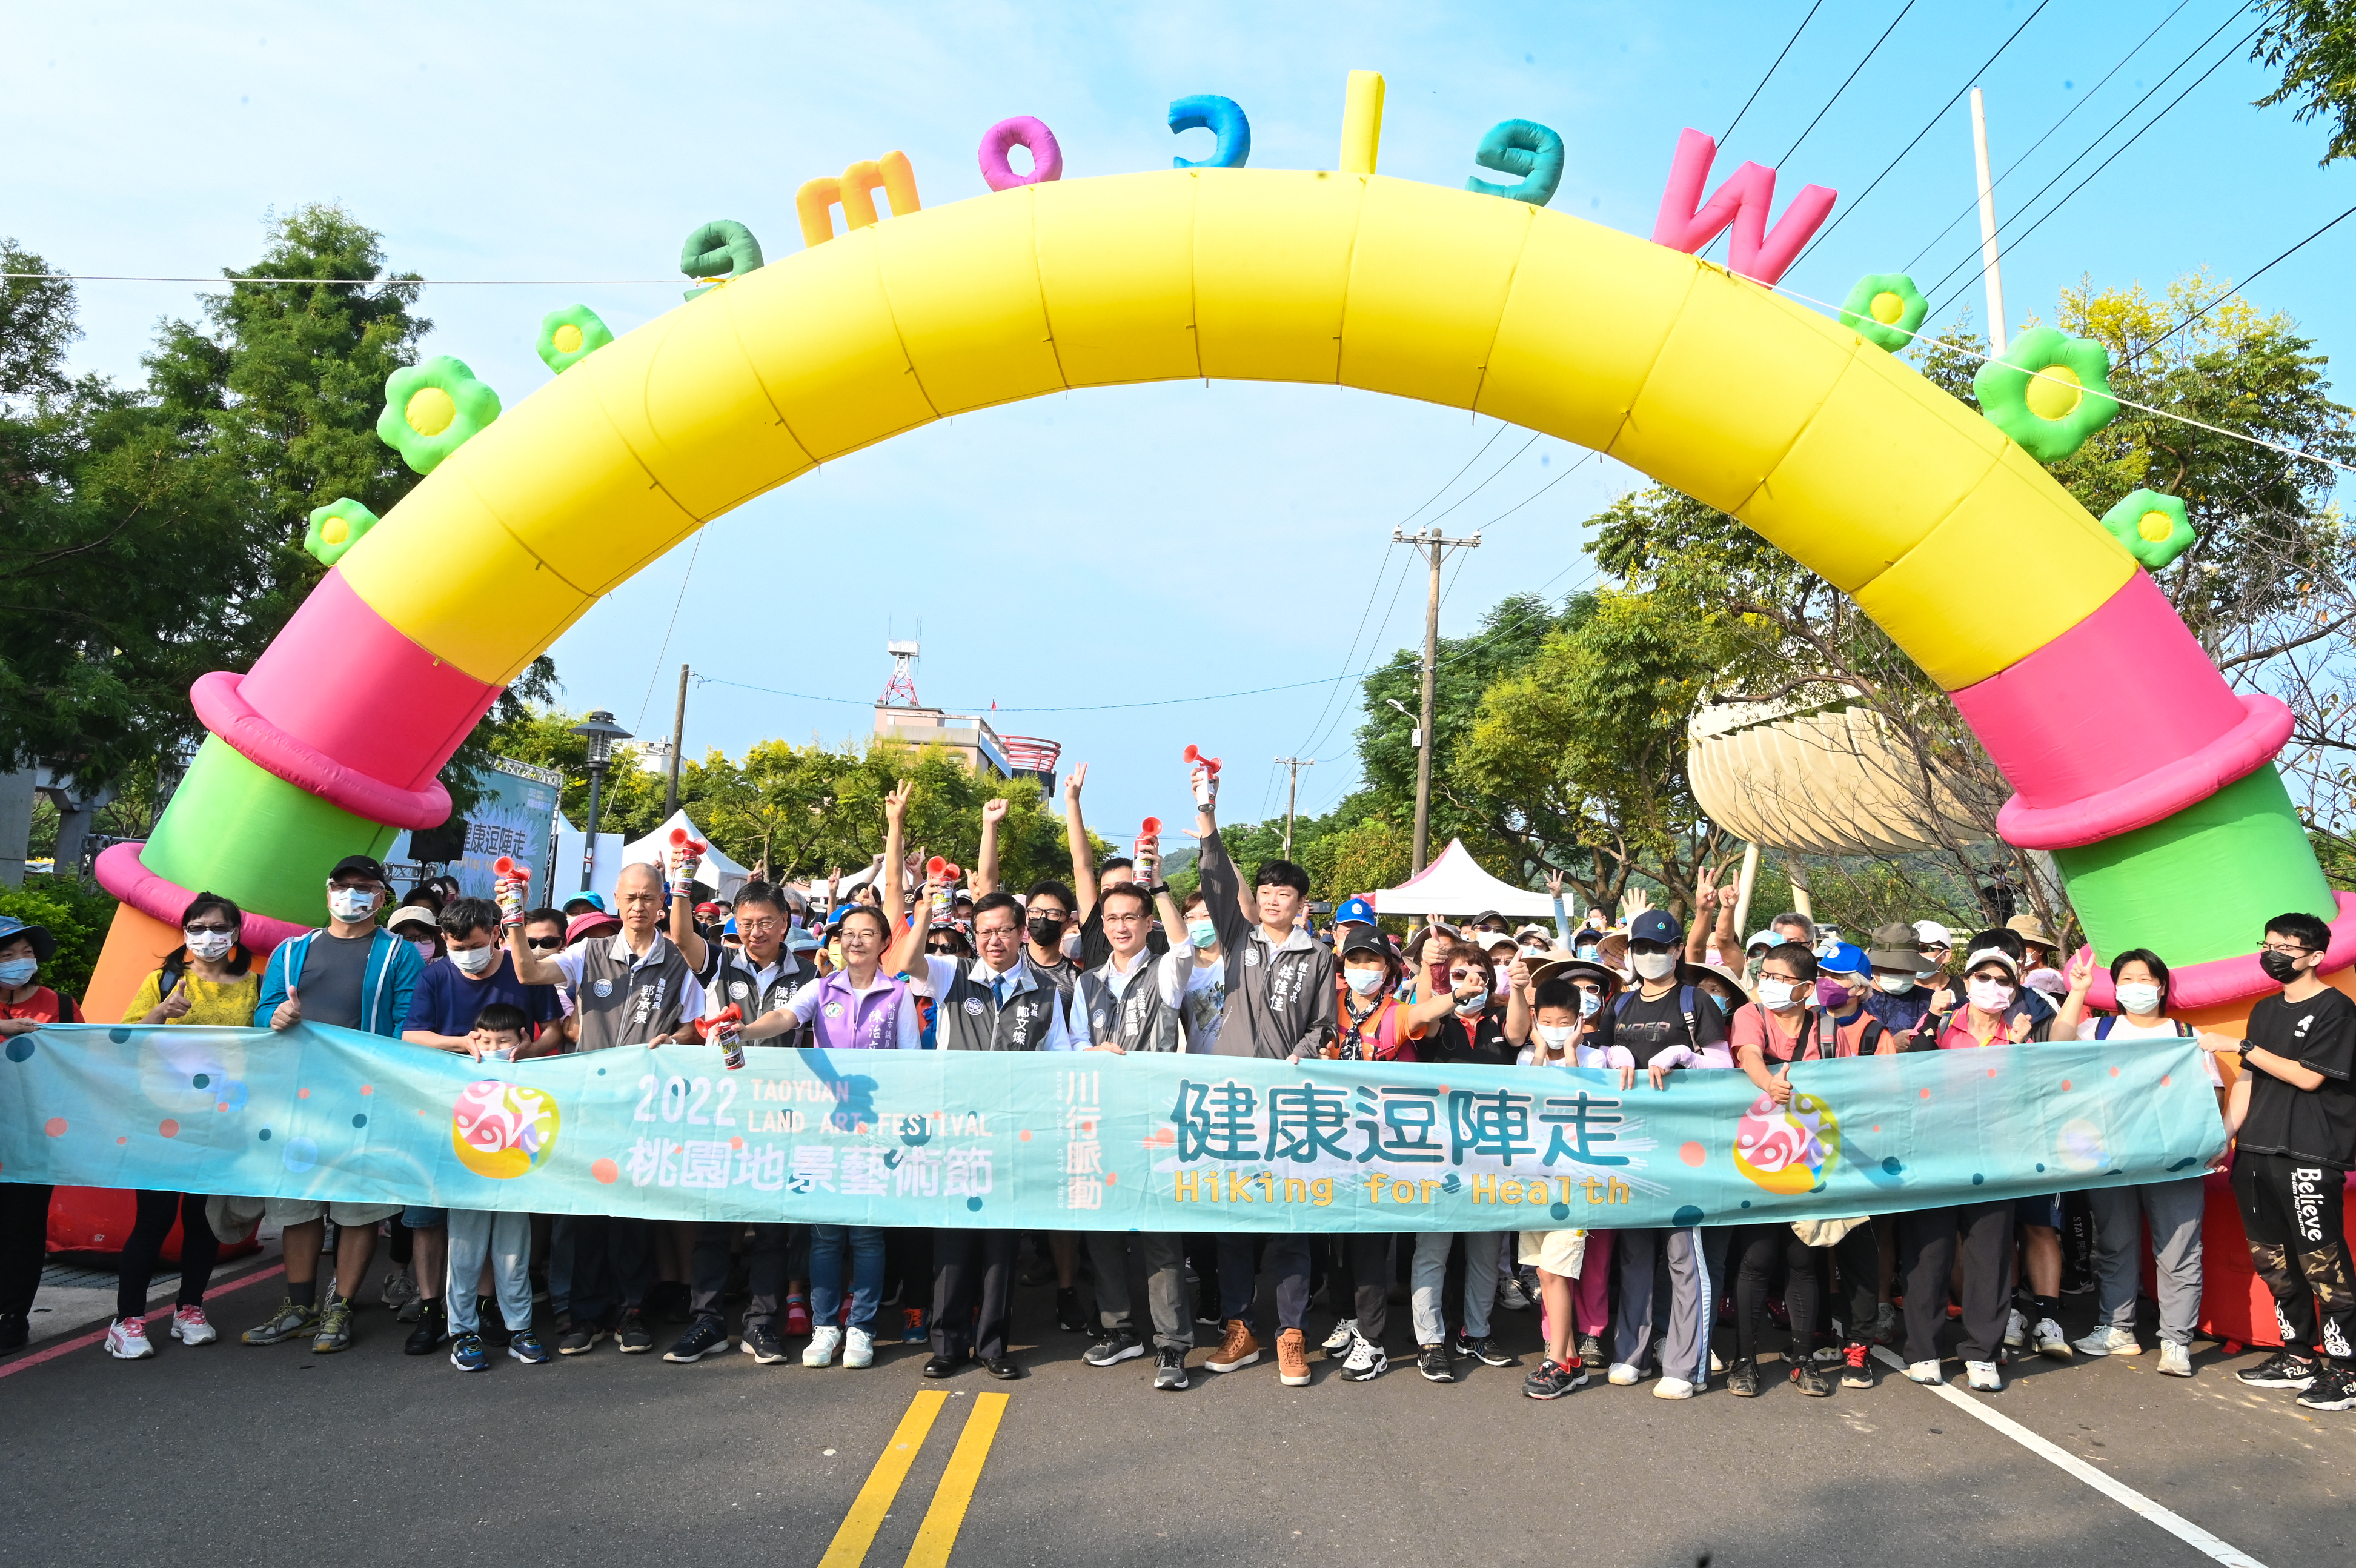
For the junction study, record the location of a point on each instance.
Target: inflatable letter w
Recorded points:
(1742, 202)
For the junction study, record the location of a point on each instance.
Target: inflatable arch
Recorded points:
(2150, 779)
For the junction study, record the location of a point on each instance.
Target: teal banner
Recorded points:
(1087, 1141)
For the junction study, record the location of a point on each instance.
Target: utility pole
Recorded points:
(1987, 228)
(678, 739)
(1432, 541)
(1290, 791)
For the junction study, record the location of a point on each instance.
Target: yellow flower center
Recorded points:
(430, 411)
(334, 530)
(2055, 392)
(1887, 307)
(567, 339)
(2156, 526)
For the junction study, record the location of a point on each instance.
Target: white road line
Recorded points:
(2175, 1524)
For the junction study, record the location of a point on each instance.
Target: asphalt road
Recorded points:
(228, 1454)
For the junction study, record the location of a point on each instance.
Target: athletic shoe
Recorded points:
(1743, 1377)
(1715, 1365)
(1487, 1351)
(400, 1290)
(1207, 1313)
(126, 1340)
(335, 1328)
(1674, 1389)
(1367, 1360)
(578, 1339)
(912, 1326)
(1623, 1374)
(1591, 1349)
(1510, 1294)
(1169, 1366)
(704, 1337)
(819, 1351)
(631, 1336)
(1459, 1346)
(2334, 1389)
(2052, 1341)
(760, 1341)
(2015, 1330)
(525, 1347)
(1433, 1364)
(2280, 1370)
(466, 1354)
(1925, 1373)
(1117, 1345)
(1068, 1315)
(2109, 1341)
(1553, 1379)
(1856, 1368)
(488, 1313)
(1809, 1380)
(2175, 1360)
(1345, 1334)
(858, 1349)
(286, 1323)
(1238, 1349)
(1292, 1358)
(1887, 1325)
(191, 1326)
(432, 1328)
(1984, 1377)
(797, 1318)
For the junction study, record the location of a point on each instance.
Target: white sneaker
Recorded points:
(858, 1349)
(2175, 1360)
(400, 1290)
(2051, 1340)
(1984, 1376)
(1673, 1389)
(126, 1340)
(1345, 1335)
(1717, 1366)
(1925, 1373)
(824, 1342)
(2109, 1341)
(1366, 1362)
(1624, 1375)
(2015, 1330)
(191, 1326)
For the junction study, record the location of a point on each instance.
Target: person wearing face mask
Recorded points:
(25, 1005)
(2037, 1222)
(1207, 981)
(1048, 928)
(2175, 1209)
(419, 925)
(1899, 997)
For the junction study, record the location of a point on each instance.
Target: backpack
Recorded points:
(1685, 1005)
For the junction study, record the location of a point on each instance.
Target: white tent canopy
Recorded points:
(1455, 884)
(719, 873)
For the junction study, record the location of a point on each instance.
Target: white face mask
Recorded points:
(1467, 1007)
(1365, 981)
(350, 904)
(475, 961)
(1895, 984)
(1590, 1003)
(1654, 965)
(1776, 995)
(1989, 996)
(209, 945)
(1556, 1035)
(2137, 997)
(1202, 933)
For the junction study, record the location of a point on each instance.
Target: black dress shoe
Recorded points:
(1001, 1366)
(432, 1328)
(942, 1366)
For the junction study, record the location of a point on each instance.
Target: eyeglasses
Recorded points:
(1461, 974)
(2288, 949)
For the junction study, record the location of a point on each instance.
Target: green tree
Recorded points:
(2314, 42)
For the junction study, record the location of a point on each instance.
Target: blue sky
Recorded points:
(1126, 545)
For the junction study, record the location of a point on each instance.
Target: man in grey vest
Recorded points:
(633, 989)
(994, 1003)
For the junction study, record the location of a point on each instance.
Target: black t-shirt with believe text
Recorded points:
(1649, 1026)
(2319, 1124)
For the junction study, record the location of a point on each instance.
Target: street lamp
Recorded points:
(599, 732)
(1415, 735)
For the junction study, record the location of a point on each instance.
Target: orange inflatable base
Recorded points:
(99, 1220)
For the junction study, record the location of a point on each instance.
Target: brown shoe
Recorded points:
(1293, 1359)
(1237, 1349)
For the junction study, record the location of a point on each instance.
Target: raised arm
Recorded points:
(1222, 887)
(2081, 975)
(895, 831)
(985, 872)
(690, 941)
(1561, 916)
(1075, 830)
(1705, 900)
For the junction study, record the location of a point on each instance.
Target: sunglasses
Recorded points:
(544, 944)
(209, 930)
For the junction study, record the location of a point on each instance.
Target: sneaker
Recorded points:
(704, 1337)
(1488, 1352)
(1367, 1360)
(1984, 1377)
(1887, 1325)
(1207, 1313)
(1117, 1345)
(1170, 1368)
(191, 1326)
(432, 1328)
(1459, 1346)
(2175, 1360)
(1292, 1358)
(1432, 1362)
(1623, 1374)
(578, 1339)
(2109, 1341)
(1345, 1335)
(760, 1341)
(631, 1336)
(2334, 1389)
(467, 1355)
(1553, 1379)
(1674, 1389)
(525, 1347)
(126, 1340)
(912, 1326)
(1068, 1315)
(2015, 1330)
(1925, 1373)
(1717, 1367)
(1511, 1296)
(797, 1318)
(2052, 1341)
(1856, 1368)
(2280, 1370)
(819, 1351)
(400, 1290)
(335, 1328)
(858, 1349)
(1237, 1349)
(1810, 1380)
(1591, 1349)
(1743, 1377)
(287, 1322)
(487, 1312)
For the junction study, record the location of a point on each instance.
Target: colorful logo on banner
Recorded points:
(503, 1130)
(1787, 1148)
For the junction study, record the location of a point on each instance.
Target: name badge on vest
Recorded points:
(604, 988)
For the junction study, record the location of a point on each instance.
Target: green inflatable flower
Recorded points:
(2048, 393)
(336, 528)
(431, 410)
(571, 335)
(1885, 309)
(2152, 526)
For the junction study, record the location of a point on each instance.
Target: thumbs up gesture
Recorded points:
(290, 1012)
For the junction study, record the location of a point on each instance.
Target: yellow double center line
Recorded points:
(938, 1533)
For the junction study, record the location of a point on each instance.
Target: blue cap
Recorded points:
(1843, 958)
(799, 940)
(1655, 926)
(45, 946)
(594, 900)
(1356, 911)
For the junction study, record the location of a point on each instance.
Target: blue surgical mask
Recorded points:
(1724, 1003)
(1202, 933)
(1590, 1003)
(18, 972)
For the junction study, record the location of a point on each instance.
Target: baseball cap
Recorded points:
(1767, 939)
(1655, 926)
(1932, 934)
(366, 865)
(585, 900)
(706, 911)
(801, 941)
(1842, 957)
(1356, 910)
(1365, 938)
(45, 946)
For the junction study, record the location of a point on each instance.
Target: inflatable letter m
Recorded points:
(1741, 201)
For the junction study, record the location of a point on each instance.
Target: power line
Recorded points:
(219, 278)
(2238, 287)
(1836, 98)
(1771, 70)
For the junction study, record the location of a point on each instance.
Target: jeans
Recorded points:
(24, 1245)
(1165, 1285)
(1927, 1261)
(506, 1239)
(1428, 1283)
(2176, 1209)
(199, 1250)
(1286, 1257)
(766, 1266)
(828, 1242)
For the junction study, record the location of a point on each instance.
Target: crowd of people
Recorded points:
(1115, 961)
